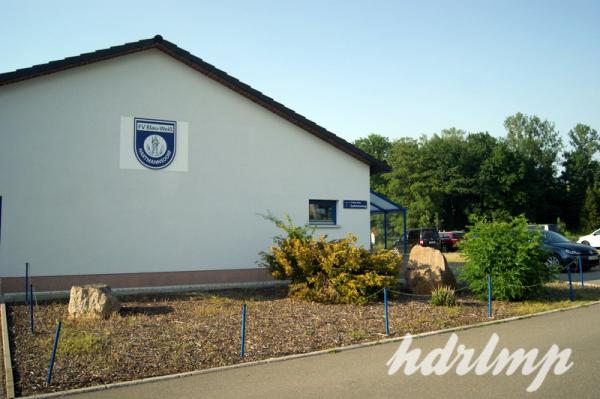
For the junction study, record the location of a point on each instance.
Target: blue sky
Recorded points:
(391, 67)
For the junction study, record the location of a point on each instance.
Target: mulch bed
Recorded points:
(173, 334)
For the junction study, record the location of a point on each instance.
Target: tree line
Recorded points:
(445, 179)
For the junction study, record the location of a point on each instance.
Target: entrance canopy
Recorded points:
(380, 204)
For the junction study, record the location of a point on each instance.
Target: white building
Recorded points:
(142, 165)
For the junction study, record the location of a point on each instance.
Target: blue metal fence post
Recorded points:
(26, 282)
(570, 283)
(489, 295)
(49, 379)
(31, 308)
(385, 305)
(580, 270)
(243, 337)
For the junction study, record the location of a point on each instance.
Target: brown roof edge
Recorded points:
(210, 71)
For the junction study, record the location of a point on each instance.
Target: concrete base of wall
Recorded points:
(50, 287)
(167, 289)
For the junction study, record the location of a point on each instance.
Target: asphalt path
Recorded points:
(592, 276)
(362, 373)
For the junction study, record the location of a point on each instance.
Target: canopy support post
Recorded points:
(385, 225)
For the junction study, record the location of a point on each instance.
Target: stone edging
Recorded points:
(296, 356)
(10, 384)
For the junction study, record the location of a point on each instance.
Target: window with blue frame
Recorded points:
(322, 212)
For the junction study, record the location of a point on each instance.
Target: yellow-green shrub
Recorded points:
(330, 271)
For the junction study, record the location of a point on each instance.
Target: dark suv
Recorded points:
(425, 237)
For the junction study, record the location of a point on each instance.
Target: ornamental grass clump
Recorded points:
(333, 271)
(443, 296)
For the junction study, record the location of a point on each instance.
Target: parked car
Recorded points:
(449, 240)
(562, 252)
(547, 227)
(593, 239)
(424, 236)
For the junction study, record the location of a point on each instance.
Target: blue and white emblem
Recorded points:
(154, 142)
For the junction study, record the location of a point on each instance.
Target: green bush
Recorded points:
(510, 253)
(443, 296)
(328, 271)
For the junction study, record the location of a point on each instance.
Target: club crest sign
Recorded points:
(154, 142)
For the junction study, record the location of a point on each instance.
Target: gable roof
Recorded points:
(157, 42)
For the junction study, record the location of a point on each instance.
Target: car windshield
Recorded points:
(552, 237)
(430, 235)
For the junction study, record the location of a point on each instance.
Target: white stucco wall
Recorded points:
(69, 208)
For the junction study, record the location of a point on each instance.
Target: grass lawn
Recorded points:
(165, 335)
(454, 257)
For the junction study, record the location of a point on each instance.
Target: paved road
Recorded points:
(362, 373)
(592, 276)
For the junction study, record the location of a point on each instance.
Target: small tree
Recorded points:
(510, 253)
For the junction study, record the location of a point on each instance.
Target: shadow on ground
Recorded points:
(145, 310)
(256, 295)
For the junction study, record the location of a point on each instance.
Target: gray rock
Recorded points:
(93, 301)
(426, 270)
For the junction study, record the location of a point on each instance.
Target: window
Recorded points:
(322, 212)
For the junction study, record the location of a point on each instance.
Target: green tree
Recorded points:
(535, 139)
(590, 213)
(375, 145)
(446, 157)
(458, 156)
(437, 177)
(378, 147)
(537, 144)
(502, 179)
(402, 181)
(579, 170)
(444, 178)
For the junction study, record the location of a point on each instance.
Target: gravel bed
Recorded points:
(173, 334)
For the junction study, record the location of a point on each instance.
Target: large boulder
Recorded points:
(93, 301)
(426, 270)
